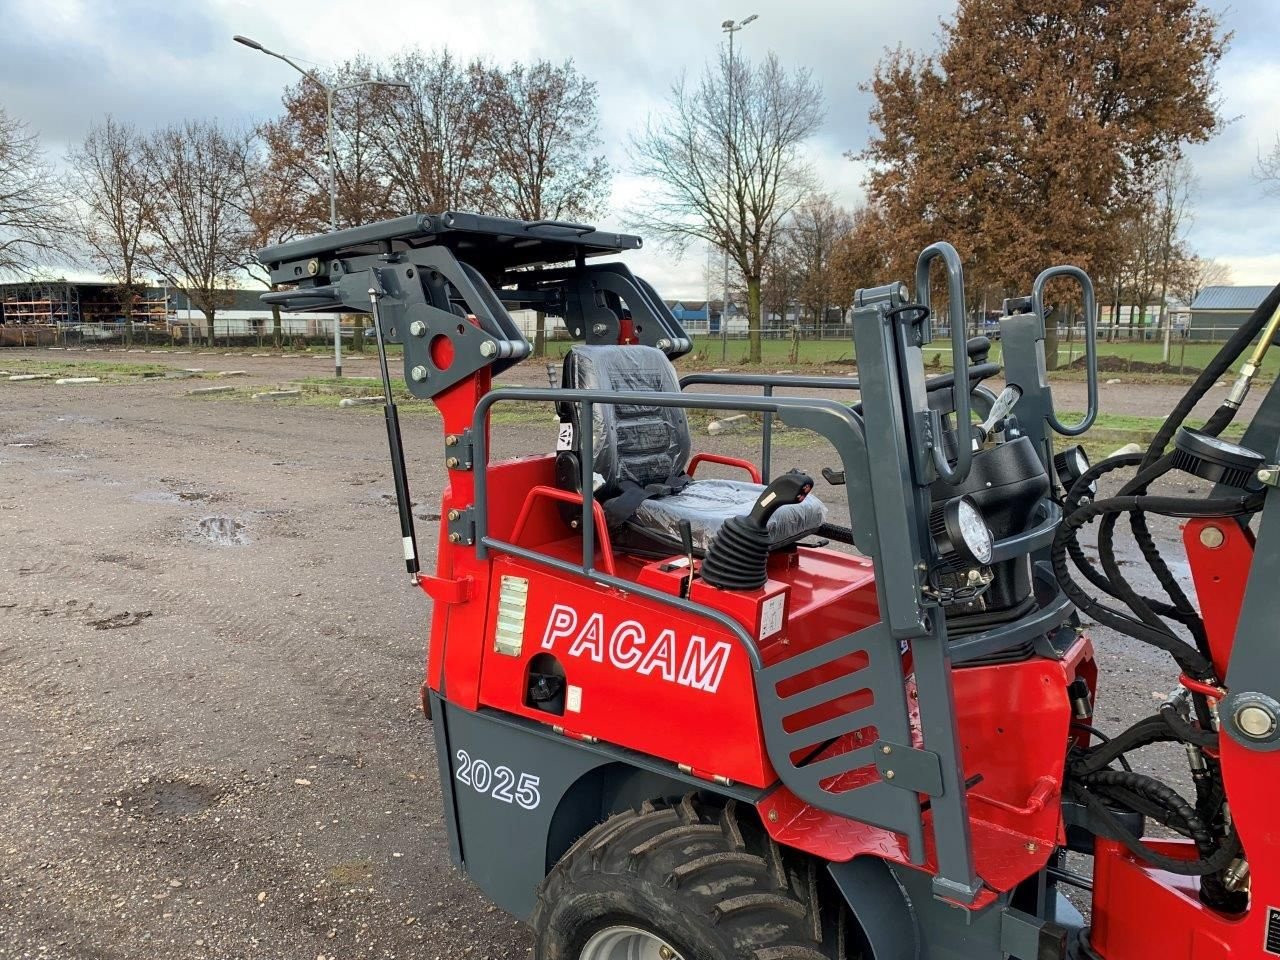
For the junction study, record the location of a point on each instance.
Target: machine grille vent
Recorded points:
(1272, 945)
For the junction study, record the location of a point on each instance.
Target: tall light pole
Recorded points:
(329, 91)
(729, 27)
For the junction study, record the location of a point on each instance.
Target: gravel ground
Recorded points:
(209, 668)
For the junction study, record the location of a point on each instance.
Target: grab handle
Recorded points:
(1090, 343)
(959, 352)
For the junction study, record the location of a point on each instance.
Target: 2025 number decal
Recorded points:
(501, 783)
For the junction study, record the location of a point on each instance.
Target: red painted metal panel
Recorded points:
(1013, 725)
(1221, 553)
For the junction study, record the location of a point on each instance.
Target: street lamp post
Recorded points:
(329, 91)
(729, 27)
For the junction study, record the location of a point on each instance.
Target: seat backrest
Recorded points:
(631, 443)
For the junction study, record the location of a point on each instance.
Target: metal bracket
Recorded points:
(458, 450)
(919, 771)
(462, 526)
(1022, 935)
(1269, 475)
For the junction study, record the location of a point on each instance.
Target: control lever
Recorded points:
(1003, 406)
(792, 487)
(686, 540)
(738, 557)
(833, 477)
(685, 562)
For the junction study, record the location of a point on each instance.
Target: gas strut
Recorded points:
(403, 504)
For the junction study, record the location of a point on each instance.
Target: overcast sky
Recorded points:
(66, 63)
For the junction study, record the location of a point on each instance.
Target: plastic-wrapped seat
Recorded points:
(640, 454)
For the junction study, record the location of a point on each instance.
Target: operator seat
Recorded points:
(640, 453)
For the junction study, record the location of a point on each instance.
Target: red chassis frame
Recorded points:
(671, 685)
(1139, 913)
(1174, 924)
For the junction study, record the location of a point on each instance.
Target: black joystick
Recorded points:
(738, 557)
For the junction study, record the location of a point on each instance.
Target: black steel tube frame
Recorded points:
(1090, 343)
(959, 353)
(767, 382)
(833, 420)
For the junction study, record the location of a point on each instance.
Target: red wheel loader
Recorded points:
(692, 718)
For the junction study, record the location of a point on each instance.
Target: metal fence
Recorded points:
(1118, 333)
(295, 333)
(801, 343)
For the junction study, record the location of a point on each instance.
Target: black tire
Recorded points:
(704, 877)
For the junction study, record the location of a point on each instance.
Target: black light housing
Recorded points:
(1070, 465)
(960, 533)
(1216, 460)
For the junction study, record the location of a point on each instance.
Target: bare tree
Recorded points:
(544, 135)
(275, 199)
(773, 112)
(113, 206)
(543, 141)
(431, 140)
(1174, 185)
(817, 227)
(197, 223)
(33, 213)
(780, 284)
(1268, 169)
(1195, 274)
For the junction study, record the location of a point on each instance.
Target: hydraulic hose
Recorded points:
(1190, 659)
(1180, 609)
(1217, 367)
(1091, 778)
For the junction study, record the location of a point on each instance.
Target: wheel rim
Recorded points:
(627, 943)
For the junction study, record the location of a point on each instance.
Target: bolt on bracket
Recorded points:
(458, 450)
(904, 766)
(462, 526)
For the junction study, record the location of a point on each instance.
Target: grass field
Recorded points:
(778, 353)
(104, 369)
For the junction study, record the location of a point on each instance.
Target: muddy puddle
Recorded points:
(222, 531)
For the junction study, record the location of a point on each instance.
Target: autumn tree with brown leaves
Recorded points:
(859, 258)
(297, 144)
(520, 142)
(1035, 130)
(275, 200)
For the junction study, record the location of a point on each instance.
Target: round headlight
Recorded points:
(960, 532)
(1070, 465)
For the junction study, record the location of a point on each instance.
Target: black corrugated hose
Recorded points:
(1091, 779)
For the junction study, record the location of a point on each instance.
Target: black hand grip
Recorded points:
(834, 477)
(791, 487)
(686, 537)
